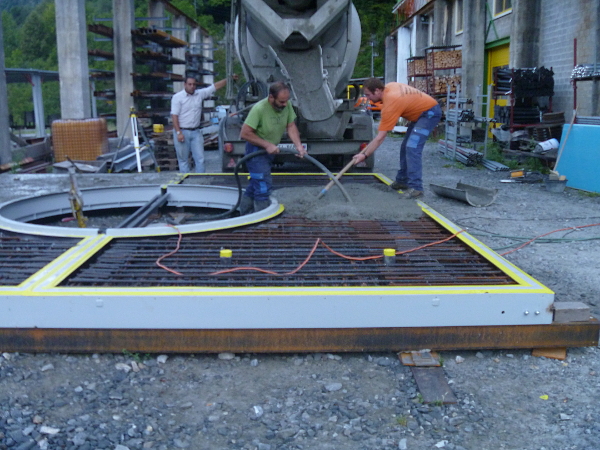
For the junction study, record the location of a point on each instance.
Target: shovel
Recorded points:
(337, 177)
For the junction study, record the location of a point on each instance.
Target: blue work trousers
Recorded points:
(193, 144)
(261, 183)
(411, 150)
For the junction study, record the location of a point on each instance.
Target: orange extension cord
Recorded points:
(546, 234)
(311, 253)
(319, 241)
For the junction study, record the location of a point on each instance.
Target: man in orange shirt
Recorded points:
(423, 112)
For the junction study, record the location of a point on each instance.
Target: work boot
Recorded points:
(259, 205)
(246, 205)
(411, 194)
(397, 186)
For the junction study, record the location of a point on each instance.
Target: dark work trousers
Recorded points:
(261, 183)
(411, 150)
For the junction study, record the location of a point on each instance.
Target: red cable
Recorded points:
(319, 241)
(169, 254)
(546, 234)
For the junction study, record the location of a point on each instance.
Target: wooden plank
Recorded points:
(574, 334)
(433, 386)
(554, 353)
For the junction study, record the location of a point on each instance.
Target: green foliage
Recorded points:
(376, 21)
(402, 420)
(19, 100)
(11, 35)
(38, 37)
(137, 357)
(589, 194)
(495, 153)
(29, 32)
(535, 165)
(186, 7)
(19, 9)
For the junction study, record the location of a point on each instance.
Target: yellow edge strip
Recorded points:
(178, 180)
(500, 262)
(69, 262)
(494, 258)
(39, 276)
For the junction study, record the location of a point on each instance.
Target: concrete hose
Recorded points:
(262, 152)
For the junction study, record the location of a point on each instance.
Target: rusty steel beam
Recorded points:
(574, 334)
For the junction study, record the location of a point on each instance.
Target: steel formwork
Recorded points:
(291, 284)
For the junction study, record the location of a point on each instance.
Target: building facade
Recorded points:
(488, 35)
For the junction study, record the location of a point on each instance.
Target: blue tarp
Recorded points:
(580, 157)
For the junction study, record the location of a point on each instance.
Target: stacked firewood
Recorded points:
(441, 83)
(416, 66)
(445, 59)
(419, 83)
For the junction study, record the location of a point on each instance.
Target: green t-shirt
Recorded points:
(268, 123)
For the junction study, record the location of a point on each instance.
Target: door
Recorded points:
(497, 58)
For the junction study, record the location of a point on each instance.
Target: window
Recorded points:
(427, 22)
(458, 16)
(502, 6)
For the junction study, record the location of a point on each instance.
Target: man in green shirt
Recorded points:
(264, 127)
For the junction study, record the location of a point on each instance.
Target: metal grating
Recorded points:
(282, 245)
(22, 256)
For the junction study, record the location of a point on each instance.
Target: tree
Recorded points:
(375, 19)
(12, 38)
(38, 37)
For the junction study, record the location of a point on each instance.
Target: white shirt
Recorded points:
(188, 107)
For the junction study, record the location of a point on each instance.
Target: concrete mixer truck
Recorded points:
(312, 45)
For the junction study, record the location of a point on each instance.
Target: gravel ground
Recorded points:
(506, 399)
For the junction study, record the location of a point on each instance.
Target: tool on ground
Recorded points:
(554, 175)
(527, 177)
(473, 195)
(76, 199)
(135, 131)
(337, 177)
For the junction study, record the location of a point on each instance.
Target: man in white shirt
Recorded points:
(186, 114)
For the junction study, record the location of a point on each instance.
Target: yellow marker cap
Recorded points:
(226, 253)
(389, 252)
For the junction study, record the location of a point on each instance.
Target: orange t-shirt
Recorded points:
(402, 100)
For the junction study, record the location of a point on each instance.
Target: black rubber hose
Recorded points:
(262, 152)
